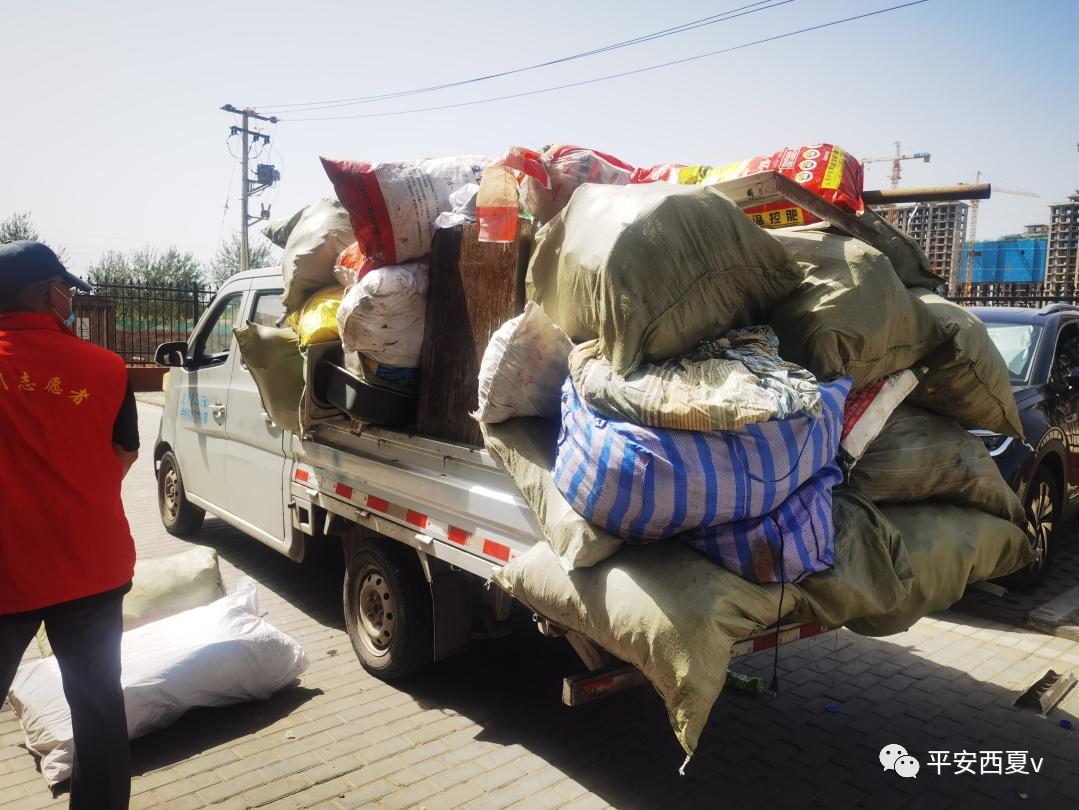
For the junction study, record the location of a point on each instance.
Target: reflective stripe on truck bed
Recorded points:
(475, 539)
(766, 639)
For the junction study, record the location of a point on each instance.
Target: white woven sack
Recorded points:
(215, 655)
(523, 368)
(382, 316)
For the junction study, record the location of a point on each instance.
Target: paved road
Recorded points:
(1061, 584)
(486, 729)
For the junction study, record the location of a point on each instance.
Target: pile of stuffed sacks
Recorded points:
(355, 272)
(721, 419)
(356, 267)
(722, 427)
(714, 379)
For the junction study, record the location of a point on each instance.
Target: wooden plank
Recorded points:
(765, 187)
(475, 287)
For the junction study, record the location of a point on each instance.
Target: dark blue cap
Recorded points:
(25, 262)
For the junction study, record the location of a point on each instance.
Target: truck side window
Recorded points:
(216, 340)
(269, 308)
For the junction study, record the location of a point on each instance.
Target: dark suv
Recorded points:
(1041, 348)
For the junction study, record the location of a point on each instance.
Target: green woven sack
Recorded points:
(948, 548)
(651, 270)
(968, 380)
(273, 357)
(851, 315)
(921, 456)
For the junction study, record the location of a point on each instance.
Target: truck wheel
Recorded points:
(388, 610)
(177, 514)
(1043, 506)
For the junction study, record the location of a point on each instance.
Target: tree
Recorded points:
(21, 226)
(150, 287)
(148, 267)
(226, 262)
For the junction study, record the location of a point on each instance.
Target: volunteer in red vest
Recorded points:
(68, 436)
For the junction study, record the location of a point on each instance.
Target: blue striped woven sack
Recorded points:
(794, 540)
(645, 483)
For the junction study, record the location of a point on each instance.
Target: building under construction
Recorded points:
(1062, 251)
(1017, 258)
(941, 230)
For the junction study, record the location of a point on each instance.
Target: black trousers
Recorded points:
(85, 637)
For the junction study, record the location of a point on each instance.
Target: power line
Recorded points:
(731, 14)
(615, 75)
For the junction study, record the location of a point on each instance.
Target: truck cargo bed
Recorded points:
(452, 499)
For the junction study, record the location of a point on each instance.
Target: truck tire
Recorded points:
(388, 610)
(1043, 504)
(178, 515)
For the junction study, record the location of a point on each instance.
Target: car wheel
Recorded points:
(178, 515)
(388, 610)
(1043, 505)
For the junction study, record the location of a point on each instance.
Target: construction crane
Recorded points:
(896, 165)
(968, 276)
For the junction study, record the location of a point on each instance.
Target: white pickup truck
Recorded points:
(422, 521)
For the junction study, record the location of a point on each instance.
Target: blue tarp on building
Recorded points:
(1008, 259)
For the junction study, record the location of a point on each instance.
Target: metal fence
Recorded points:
(1013, 294)
(132, 319)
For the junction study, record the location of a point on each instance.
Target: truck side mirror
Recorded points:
(173, 353)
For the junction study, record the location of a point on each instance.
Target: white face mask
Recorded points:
(70, 319)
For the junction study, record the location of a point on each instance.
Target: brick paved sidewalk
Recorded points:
(485, 729)
(1016, 607)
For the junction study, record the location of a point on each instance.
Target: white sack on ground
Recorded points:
(382, 316)
(215, 655)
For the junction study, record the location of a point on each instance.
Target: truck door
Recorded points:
(255, 465)
(200, 427)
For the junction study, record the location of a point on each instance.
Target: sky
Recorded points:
(112, 135)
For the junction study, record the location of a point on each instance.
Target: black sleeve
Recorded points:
(125, 430)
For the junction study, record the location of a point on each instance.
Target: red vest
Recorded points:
(63, 533)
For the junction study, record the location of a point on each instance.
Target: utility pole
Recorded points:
(265, 177)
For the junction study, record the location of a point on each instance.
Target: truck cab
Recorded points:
(414, 584)
(234, 459)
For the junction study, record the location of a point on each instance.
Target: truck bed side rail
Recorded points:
(458, 539)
